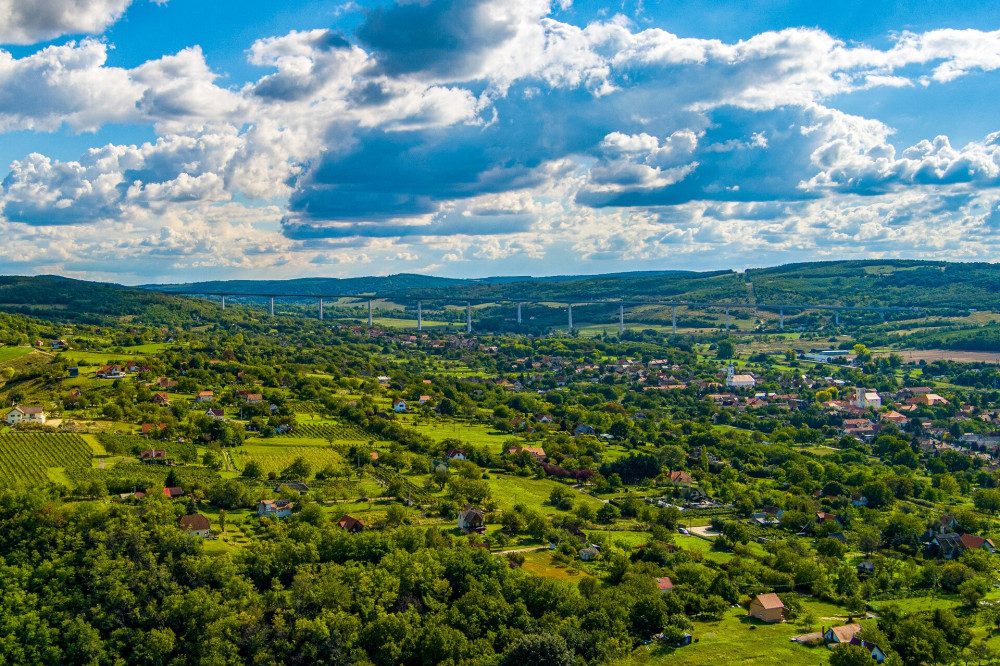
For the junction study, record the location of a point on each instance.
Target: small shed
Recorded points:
(767, 608)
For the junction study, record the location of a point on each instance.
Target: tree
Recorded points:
(608, 513)
(253, 470)
(222, 520)
(299, 469)
(846, 654)
(561, 497)
(724, 349)
(539, 650)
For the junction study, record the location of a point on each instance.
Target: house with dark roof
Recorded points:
(471, 519)
(174, 492)
(196, 524)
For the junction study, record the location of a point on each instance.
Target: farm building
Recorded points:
(767, 608)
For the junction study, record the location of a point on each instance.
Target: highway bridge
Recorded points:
(622, 304)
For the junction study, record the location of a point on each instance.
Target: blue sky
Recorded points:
(178, 140)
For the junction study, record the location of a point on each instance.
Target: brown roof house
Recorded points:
(350, 524)
(664, 584)
(842, 634)
(195, 524)
(471, 519)
(767, 608)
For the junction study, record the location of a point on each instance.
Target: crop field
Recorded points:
(26, 457)
(276, 458)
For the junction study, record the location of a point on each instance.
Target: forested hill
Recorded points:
(79, 301)
(870, 282)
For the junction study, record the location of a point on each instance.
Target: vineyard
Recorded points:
(131, 444)
(25, 457)
(276, 458)
(338, 432)
(385, 476)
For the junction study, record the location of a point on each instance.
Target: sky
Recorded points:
(179, 140)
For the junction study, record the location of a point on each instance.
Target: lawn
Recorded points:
(11, 353)
(540, 563)
(736, 639)
(509, 490)
(468, 433)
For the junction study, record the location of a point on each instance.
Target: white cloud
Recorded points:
(33, 21)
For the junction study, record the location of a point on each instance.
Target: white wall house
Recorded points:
(26, 415)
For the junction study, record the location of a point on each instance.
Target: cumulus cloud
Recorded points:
(447, 130)
(32, 21)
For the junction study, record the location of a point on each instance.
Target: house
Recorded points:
(872, 649)
(455, 454)
(544, 418)
(951, 546)
(275, 508)
(767, 608)
(584, 429)
(399, 406)
(664, 584)
(734, 380)
(110, 372)
(471, 520)
(161, 399)
(216, 413)
(857, 499)
(866, 568)
(254, 398)
(679, 478)
(73, 372)
(155, 457)
(373, 456)
(892, 416)
(196, 524)
(351, 524)
(60, 344)
(174, 492)
(866, 399)
(842, 634)
(824, 516)
(423, 399)
(26, 415)
(205, 396)
(589, 553)
(929, 399)
(150, 427)
(536, 452)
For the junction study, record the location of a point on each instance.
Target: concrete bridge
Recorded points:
(622, 304)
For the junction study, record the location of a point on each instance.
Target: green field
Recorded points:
(11, 353)
(736, 639)
(468, 433)
(275, 458)
(28, 457)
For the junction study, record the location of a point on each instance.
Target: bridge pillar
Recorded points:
(727, 320)
(781, 318)
(621, 320)
(883, 315)
(272, 306)
(836, 317)
(420, 316)
(468, 317)
(673, 317)
(570, 311)
(321, 309)
(370, 324)
(223, 302)
(519, 314)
